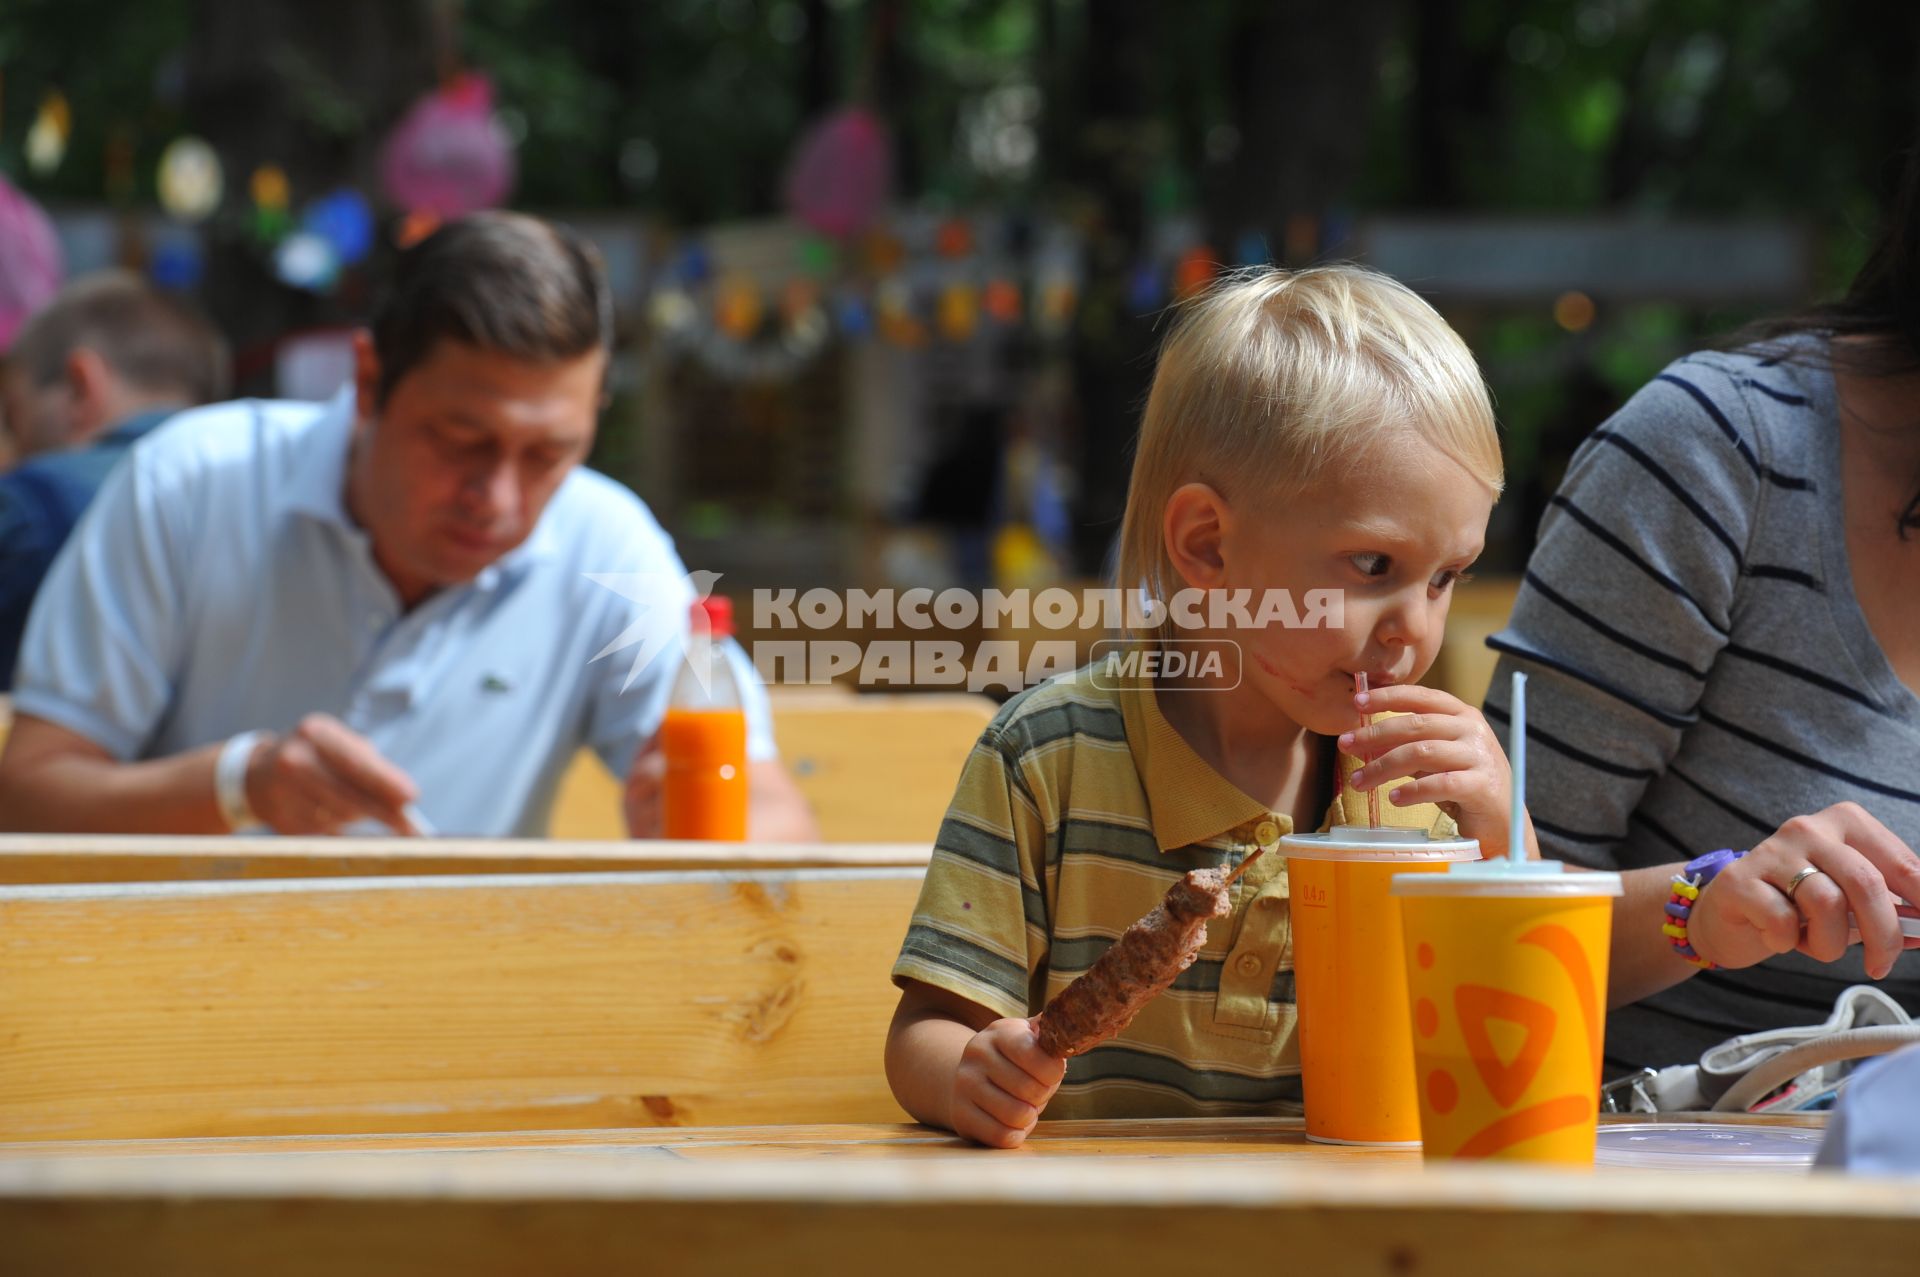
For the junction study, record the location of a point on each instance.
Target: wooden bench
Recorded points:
(77, 858)
(876, 768)
(455, 1003)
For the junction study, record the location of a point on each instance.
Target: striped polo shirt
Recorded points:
(1701, 669)
(1077, 809)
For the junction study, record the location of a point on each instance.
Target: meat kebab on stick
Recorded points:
(1138, 966)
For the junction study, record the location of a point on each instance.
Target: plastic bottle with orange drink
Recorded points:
(704, 735)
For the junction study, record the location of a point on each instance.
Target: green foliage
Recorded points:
(1639, 343)
(689, 109)
(119, 63)
(683, 107)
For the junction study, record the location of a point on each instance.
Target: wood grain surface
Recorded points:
(104, 858)
(1133, 1197)
(460, 1003)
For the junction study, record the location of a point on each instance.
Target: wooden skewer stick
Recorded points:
(1242, 866)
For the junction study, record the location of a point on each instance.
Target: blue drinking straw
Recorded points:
(1517, 751)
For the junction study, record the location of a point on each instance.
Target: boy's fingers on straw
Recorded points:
(1402, 729)
(1413, 697)
(1418, 759)
(1443, 787)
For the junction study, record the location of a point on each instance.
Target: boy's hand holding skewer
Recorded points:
(1011, 1068)
(1003, 1083)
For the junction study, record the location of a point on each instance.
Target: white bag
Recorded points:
(1776, 1071)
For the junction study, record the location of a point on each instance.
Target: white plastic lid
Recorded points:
(1685, 1145)
(1503, 877)
(1359, 843)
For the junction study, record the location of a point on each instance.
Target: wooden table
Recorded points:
(1240, 1195)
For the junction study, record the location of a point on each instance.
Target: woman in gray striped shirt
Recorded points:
(1722, 626)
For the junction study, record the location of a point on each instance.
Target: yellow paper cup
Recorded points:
(1356, 1051)
(1507, 970)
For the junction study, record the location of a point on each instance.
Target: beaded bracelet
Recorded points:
(1685, 891)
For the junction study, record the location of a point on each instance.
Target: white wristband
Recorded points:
(230, 780)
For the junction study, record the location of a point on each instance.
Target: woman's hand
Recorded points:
(1745, 914)
(1452, 755)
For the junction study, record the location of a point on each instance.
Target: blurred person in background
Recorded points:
(106, 361)
(8, 453)
(380, 610)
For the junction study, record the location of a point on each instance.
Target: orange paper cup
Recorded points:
(1507, 969)
(1350, 983)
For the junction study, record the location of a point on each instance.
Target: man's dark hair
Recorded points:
(501, 282)
(155, 343)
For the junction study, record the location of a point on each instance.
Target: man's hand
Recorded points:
(646, 783)
(1003, 1082)
(324, 776)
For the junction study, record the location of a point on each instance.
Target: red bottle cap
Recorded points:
(713, 614)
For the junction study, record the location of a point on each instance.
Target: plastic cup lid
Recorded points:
(1674, 1145)
(1359, 843)
(1502, 877)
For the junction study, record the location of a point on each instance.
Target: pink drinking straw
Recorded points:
(1373, 795)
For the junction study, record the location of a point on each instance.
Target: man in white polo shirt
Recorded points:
(382, 609)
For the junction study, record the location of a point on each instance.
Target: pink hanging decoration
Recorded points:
(31, 263)
(839, 178)
(449, 155)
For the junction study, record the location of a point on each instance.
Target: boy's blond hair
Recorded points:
(1272, 376)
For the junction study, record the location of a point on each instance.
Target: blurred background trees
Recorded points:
(1268, 130)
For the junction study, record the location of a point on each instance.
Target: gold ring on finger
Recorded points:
(1793, 883)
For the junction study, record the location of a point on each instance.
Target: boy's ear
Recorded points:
(1194, 527)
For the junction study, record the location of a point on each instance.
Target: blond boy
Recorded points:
(1319, 438)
